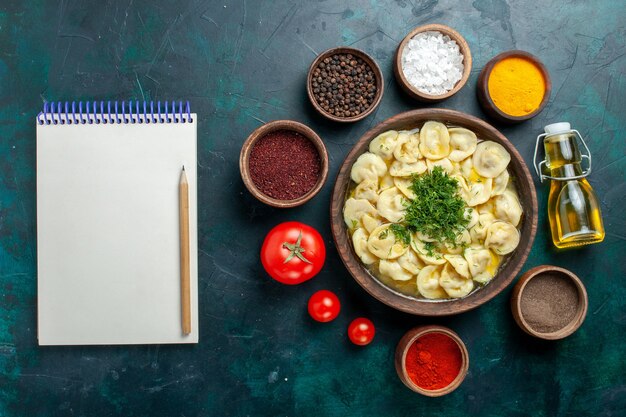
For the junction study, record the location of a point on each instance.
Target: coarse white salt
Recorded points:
(432, 63)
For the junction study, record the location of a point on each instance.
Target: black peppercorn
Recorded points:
(344, 85)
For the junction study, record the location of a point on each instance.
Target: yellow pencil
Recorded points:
(184, 252)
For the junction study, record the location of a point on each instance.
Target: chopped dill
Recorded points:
(437, 210)
(401, 233)
(430, 247)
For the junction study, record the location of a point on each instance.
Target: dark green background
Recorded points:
(243, 62)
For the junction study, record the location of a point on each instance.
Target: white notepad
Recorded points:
(108, 237)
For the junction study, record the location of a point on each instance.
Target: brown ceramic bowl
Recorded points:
(538, 271)
(482, 89)
(405, 343)
(244, 158)
(507, 272)
(380, 84)
(467, 62)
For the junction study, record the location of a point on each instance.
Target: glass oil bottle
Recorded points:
(573, 208)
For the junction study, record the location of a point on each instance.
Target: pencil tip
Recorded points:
(183, 167)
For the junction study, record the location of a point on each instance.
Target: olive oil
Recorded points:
(573, 208)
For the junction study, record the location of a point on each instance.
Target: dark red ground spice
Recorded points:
(284, 165)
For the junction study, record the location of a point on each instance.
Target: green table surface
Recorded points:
(241, 63)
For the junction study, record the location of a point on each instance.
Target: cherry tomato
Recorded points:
(361, 331)
(324, 306)
(293, 252)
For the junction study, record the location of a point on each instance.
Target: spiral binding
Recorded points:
(113, 112)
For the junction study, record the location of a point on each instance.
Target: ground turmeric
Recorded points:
(516, 86)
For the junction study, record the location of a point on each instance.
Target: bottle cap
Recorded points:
(556, 128)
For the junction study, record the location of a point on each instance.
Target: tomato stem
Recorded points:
(295, 250)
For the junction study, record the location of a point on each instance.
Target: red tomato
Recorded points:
(324, 306)
(361, 331)
(293, 252)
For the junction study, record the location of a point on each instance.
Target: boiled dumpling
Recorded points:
(432, 257)
(474, 176)
(502, 237)
(359, 240)
(462, 239)
(434, 140)
(402, 169)
(444, 163)
(354, 209)
(462, 142)
(474, 193)
(404, 185)
(407, 150)
(490, 159)
(382, 242)
(368, 167)
(500, 182)
(367, 190)
(456, 168)
(485, 207)
(478, 192)
(507, 207)
(411, 262)
(454, 284)
(386, 182)
(393, 270)
(472, 215)
(384, 144)
(370, 222)
(483, 264)
(428, 283)
(460, 265)
(461, 183)
(391, 205)
(424, 237)
(466, 168)
(479, 231)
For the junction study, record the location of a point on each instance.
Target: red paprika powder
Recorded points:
(433, 361)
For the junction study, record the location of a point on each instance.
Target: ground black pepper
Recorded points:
(284, 165)
(344, 85)
(549, 302)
